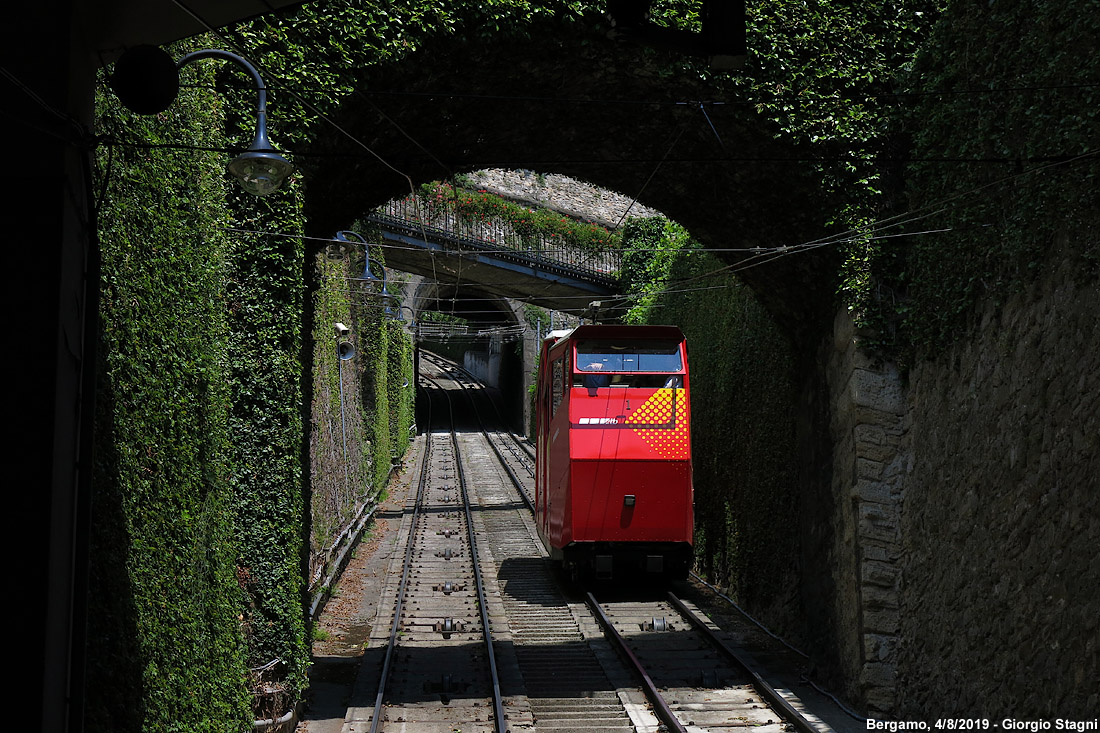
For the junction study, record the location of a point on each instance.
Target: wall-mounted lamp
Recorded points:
(367, 277)
(412, 315)
(341, 239)
(146, 80)
(345, 350)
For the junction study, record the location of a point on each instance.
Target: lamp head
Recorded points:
(146, 80)
(260, 171)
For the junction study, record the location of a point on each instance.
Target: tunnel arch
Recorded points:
(569, 100)
(464, 301)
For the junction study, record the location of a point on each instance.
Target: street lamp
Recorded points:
(147, 81)
(368, 277)
(412, 315)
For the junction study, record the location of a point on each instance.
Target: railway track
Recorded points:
(439, 672)
(484, 636)
(566, 684)
(693, 679)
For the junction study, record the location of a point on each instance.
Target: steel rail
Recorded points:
(482, 599)
(516, 483)
(769, 693)
(500, 456)
(452, 367)
(379, 706)
(660, 707)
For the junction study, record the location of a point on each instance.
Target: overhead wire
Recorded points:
(797, 97)
(236, 45)
(1059, 157)
(860, 234)
(675, 140)
(869, 233)
(326, 118)
(757, 259)
(364, 95)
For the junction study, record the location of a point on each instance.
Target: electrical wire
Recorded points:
(35, 97)
(675, 140)
(1060, 157)
(446, 167)
(870, 233)
(305, 102)
(756, 259)
(794, 97)
(321, 115)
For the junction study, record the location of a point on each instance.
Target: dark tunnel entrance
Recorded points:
(481, 334)
(502, 409)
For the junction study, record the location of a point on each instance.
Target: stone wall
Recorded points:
(486, 367)
(868, 427)
(1000, 597)
(567, 195)
(964, 556)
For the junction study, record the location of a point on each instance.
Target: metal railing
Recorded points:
(424, 218)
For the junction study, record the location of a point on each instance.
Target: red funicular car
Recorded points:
(613, 492)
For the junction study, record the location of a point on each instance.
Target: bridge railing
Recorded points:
(440, 223)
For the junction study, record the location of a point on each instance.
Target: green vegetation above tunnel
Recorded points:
(786, 150)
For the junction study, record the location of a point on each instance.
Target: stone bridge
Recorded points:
(498, 261)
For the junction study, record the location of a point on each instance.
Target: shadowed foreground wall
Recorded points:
(1001, 522)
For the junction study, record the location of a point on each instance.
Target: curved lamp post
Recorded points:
(412, 315)
(147, 81)
(368, 276)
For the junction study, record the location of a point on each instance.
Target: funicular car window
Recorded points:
(605, 363)
(635, 356)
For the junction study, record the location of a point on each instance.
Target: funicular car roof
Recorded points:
(618, 331)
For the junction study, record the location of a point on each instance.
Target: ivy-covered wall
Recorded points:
(362, 408)
(1003, 123)
(265, 295)
(205, 519)
(743, 417)
(165, 648)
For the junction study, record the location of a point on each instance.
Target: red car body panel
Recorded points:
(614, 460)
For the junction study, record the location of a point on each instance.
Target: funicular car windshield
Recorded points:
(635, 356)
(628, 362)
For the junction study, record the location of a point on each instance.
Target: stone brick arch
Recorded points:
(568, 100)
(477, 306)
